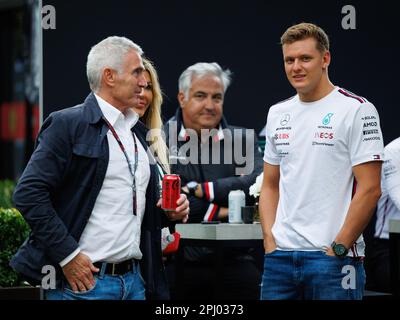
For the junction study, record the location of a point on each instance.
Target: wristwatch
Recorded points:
(339, 249)
(192, 186)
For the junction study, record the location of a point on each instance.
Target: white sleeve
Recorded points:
(270, 153)
(70, 257)
(391, 171)
(365, 140)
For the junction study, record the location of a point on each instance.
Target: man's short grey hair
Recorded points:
(108, 53)
(199, 70)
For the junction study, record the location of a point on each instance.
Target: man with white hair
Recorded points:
(90, 191)
(209, 171)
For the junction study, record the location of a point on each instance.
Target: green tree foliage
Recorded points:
(13, 231)
(6, 191)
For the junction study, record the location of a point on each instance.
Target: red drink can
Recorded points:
(171, 191)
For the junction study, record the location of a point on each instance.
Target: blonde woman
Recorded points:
(149, 111)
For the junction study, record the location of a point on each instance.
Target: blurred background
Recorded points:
(20, 84)
(242, 35)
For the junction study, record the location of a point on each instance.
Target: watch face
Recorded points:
(192, 184)
(340, 250)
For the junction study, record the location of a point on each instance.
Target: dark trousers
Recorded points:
(240, 280)
(377, 265)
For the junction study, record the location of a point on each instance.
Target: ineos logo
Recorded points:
(324, 135)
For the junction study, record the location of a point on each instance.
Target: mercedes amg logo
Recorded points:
(285, 119)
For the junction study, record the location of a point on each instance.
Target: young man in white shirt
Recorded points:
(322, 166)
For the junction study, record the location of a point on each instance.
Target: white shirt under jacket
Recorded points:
(112, 233)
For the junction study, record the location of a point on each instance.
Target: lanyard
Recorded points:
(161, 176)
(132, 171)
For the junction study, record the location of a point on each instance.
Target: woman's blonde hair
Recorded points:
(152, 119)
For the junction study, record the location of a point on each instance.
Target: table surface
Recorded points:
(221, 231)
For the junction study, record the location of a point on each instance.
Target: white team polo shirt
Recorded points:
(316, 144)
(389, 204)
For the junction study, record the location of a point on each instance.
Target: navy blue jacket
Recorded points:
(222, 175)
(58, 189)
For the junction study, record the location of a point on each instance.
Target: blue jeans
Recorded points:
(311, 275)
(129, 286)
